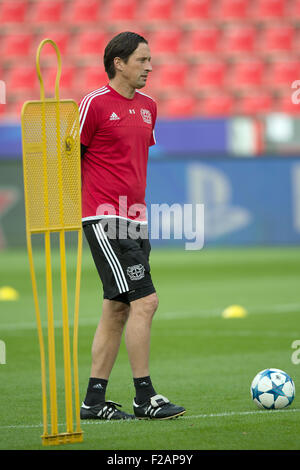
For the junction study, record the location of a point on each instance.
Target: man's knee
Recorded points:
(118, 311)
(153, 300)
(146, 305)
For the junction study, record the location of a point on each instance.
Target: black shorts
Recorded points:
(121, 250)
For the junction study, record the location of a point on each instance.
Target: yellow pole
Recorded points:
(66, 336)
(75, 332)
(50, 313)
(51, 336)
(40, 334)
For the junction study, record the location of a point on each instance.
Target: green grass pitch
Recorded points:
(198, 359)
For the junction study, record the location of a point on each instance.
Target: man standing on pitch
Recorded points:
(116, 129)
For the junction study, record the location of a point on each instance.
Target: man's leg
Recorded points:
(105, 349)
(108, 337)
(147, 403)
(137, 335)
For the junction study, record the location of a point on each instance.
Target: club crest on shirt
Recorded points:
(136, 272)
(146, 115)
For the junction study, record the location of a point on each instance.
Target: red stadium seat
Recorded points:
(255, 104)
(91, 78)
(157, 10)
(239, 39)
(293, 10)
(12, 11)
(195, 10)
(165, 42)
(269, 9)
(246, 74)
(121, 10)
(16, 45)
(202, 41)
(178, 107)
(283, 73)
(228, 10)
(208, 75)
(90, 43)
(276, 39)
(21, 79)
(47, 12)
(84, 12)
(169, 78)
(216, 105)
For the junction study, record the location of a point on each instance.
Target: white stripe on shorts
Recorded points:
(111, 258)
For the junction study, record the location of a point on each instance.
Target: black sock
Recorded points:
(144, 389)
(95, 392)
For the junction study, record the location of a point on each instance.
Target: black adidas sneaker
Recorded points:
(107, 410)
(157, 407)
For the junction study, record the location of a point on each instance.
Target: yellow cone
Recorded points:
(8, 293)
(234, 311)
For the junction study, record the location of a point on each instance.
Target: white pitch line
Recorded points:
(201, 313)
(240, 413)
(200, 416)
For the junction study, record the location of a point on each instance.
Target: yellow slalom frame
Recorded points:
(65, 219)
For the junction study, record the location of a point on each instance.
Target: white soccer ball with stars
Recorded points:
(272, 389)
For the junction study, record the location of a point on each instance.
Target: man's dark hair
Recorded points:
(122, 45)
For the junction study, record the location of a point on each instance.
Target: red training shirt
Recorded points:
(117, 132)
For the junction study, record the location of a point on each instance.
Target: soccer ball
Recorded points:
(272, 388)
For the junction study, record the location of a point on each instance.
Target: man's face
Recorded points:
(138, 66)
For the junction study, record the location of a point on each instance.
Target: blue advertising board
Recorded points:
(245, 201)
(192, 136)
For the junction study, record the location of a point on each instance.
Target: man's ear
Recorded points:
(119, 64)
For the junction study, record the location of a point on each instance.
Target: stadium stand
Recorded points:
(178, 106)
(246, 74)
(88, 43)
(282, 73)
(165, 43)
(209, 75)
(269, 9)
(15, 46)
(157, 11)
(210, 57)
(47, 12)
(239, 39)
(216, 104)
(12, 12)
(121, 11)
(201, 42)
(83, 12)
(89, 78)
(293, 10)
(169, 78)
(194, 11)
(21, 82)
(255, 103)
(277, 39)
(233, 10)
